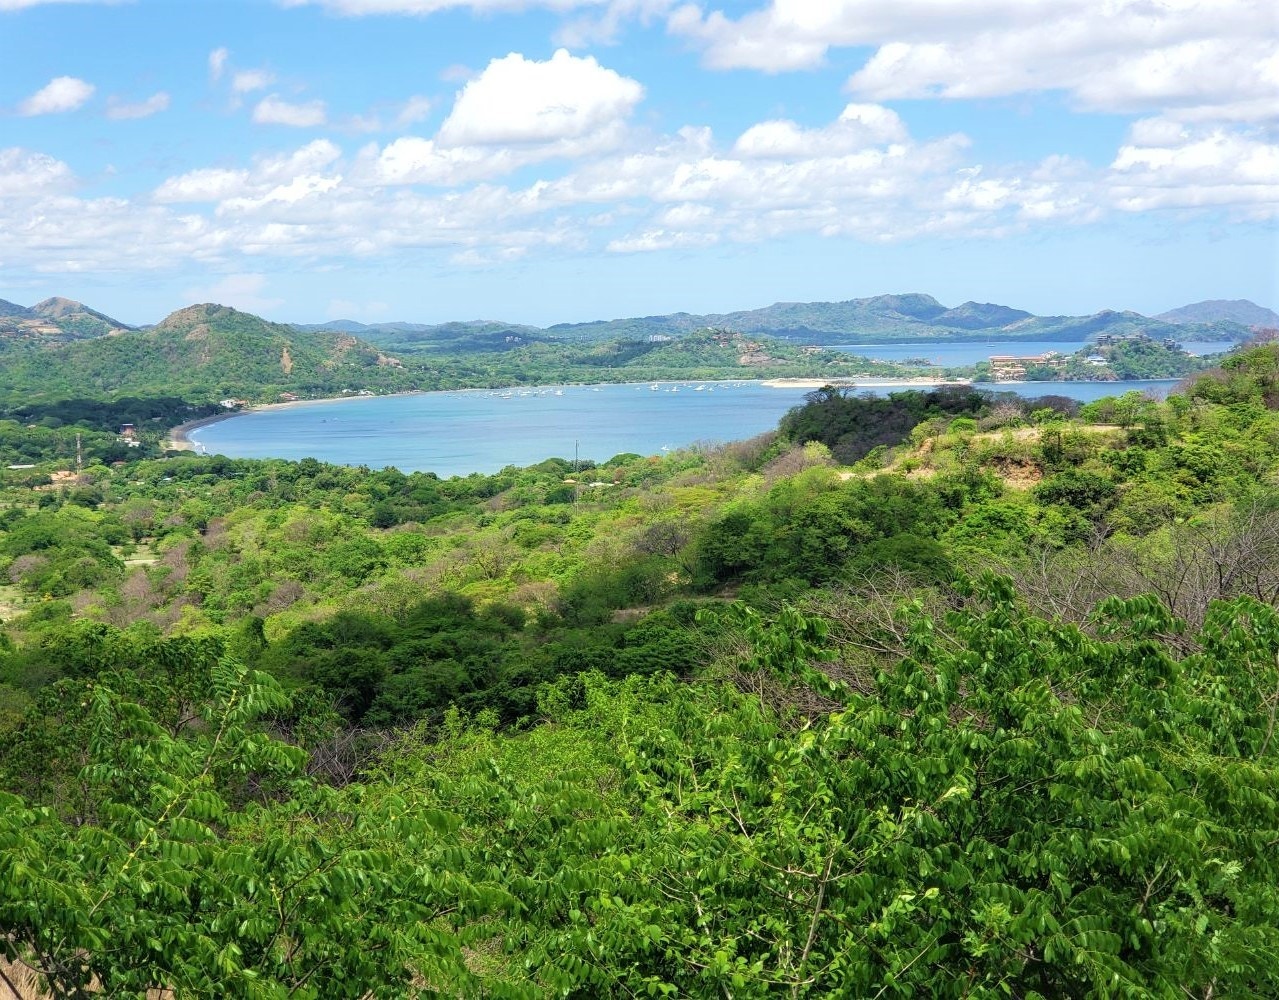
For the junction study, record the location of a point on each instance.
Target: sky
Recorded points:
(546, 161)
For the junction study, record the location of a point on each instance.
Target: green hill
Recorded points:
(77, 319)
(207, 351)
(51, 322)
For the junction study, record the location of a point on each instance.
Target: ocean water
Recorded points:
(954, 355)
(456, 433)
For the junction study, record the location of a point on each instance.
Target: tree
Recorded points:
(177, 888)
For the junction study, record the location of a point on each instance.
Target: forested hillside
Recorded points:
(206, 353)
(934, 694)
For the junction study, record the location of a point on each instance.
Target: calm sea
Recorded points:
(456, 433)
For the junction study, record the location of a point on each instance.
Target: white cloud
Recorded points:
(59, 95)
(25, 4)
(859, 126)
(603, 27)
(456, 73)
(1210, 59)
(862, 176)
(412, 160)
(517, 100)
(207, 184)
(118, 110)
(240, 291)
(272, 110)
(660, 239)
(1167, 165)
(25, 174)
(246, 81)
(516, 113)
(217, 63)
(415, 109)
(265, 174)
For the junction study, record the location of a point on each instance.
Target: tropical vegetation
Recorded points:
(933, 694)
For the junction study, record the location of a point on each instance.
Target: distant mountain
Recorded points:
(8, 309)
(878, 319)
(52, 322)
(339, 325)
(898, 318)
(1217, 310)
(979, 316)
(473, 336)
(209, 350)
(76, 318)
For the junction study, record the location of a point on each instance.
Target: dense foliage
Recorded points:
(942, 694)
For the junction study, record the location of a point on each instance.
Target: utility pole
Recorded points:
(79, 455)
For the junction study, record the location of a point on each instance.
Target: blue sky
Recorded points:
(559, 160)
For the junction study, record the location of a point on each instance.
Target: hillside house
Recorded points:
(1011, 366)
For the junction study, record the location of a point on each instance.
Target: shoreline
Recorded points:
(178, 438)
(858, 383)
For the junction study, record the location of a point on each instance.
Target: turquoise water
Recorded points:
(954, 355)
(456, 433)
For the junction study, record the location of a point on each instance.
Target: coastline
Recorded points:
(859, 383)
(176, 439)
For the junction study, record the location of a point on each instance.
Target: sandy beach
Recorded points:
(177, 439)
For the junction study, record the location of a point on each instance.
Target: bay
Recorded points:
(474, 430)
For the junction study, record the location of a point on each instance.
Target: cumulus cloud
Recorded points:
(118, 110)
(272, 110)
(266, 173)
(516, 113)
(1111, 55)
(1168, 165)
(413, 160)
(24, 173)
(518, 100)
(59, 95)
(859, 126)
(209, 184)
(861, 176)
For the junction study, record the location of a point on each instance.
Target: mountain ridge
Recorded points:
(54, 321)
(207, 349)
(888, 318)
(1212, 310)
